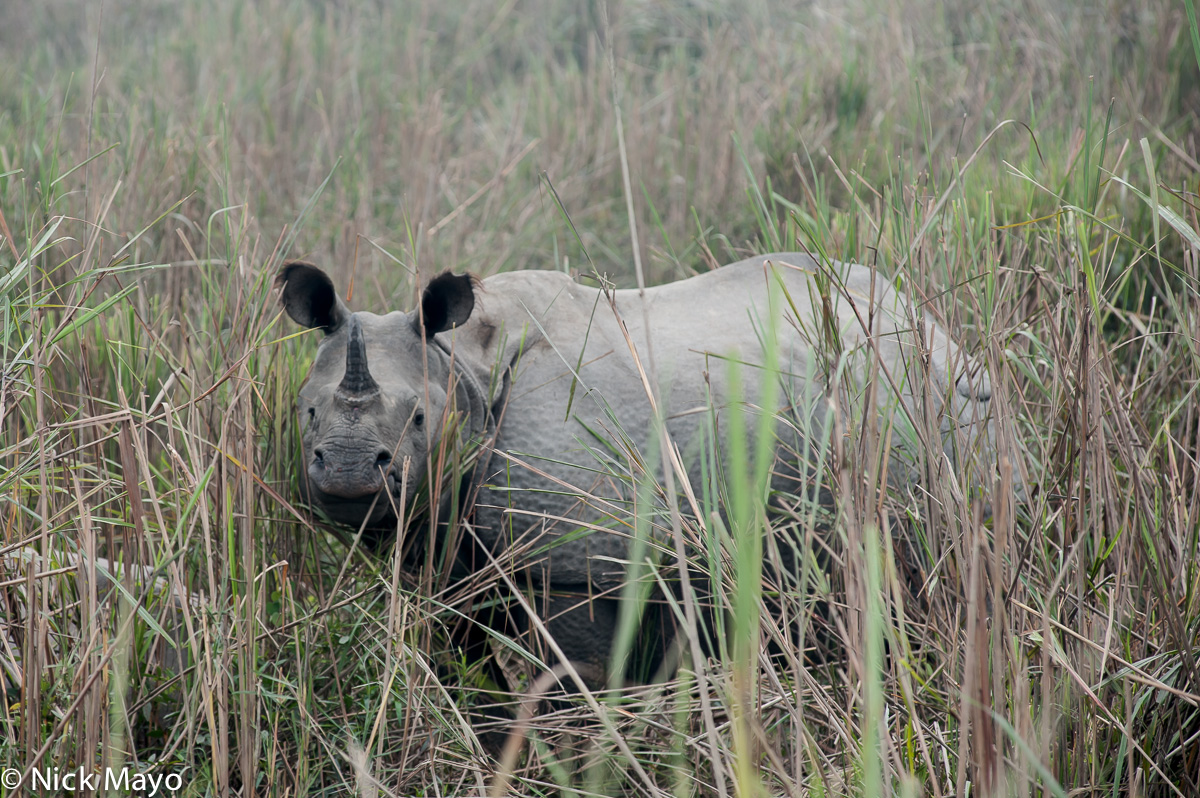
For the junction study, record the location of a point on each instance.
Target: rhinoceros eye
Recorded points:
(418, 419)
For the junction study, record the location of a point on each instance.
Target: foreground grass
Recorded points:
(157, 164)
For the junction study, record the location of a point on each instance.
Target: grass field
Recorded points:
(1028, 168)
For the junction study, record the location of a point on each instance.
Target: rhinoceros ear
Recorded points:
(309, 296)
(447, 302)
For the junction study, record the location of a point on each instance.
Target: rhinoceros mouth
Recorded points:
(350, 496)
(395, 485)
(373, 511)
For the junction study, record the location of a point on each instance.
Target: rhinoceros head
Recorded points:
(377, 393)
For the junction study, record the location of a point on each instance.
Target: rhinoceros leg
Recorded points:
(584, 627)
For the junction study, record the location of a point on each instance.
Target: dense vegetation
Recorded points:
(1027, 167)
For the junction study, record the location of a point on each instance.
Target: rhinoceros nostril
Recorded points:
(383, 459)
(319, 457)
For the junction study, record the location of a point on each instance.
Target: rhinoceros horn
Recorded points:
(357, 384)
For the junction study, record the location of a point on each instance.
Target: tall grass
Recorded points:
(158, 161)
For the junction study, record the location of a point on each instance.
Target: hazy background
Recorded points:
(413, 107)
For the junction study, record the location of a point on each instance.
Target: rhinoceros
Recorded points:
(551, 380)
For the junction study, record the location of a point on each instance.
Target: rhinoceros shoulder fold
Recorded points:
(508, 317)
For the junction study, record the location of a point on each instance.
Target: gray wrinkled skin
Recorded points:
(360, 428)
(552, 473)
